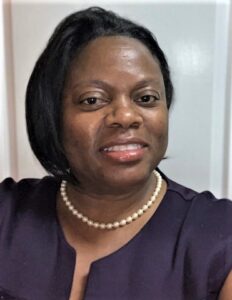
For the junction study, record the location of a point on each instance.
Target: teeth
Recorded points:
(124, 147)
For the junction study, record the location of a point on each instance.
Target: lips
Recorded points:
(124, 151)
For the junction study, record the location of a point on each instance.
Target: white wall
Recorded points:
(4, 134)
(8, 165)
(196, 45)
(229, 110)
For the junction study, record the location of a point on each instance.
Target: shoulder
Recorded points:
(207, 217)
(206, 233)
(10, 185)
(11, 190)
(21, 196)
(203, 207)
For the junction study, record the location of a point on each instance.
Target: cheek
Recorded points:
(160, 126)
(78, 134)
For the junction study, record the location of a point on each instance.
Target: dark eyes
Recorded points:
(90, 101)
(93, 103)
(148, 99)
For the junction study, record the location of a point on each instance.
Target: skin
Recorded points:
(226, 292)
(118, 113)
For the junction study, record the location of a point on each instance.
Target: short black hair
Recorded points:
(46, 85)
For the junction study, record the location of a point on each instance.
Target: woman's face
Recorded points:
(115, 117)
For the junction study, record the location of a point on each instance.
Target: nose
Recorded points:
(124, 113)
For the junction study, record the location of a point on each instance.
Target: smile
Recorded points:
(120, 148)
(126, 153)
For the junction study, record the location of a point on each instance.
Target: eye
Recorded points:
(92, 103)
(147, 100)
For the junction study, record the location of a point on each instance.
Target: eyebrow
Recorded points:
(146, 82)
(104, 84)
(98, 83)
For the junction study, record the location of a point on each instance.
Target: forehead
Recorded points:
(116, 55)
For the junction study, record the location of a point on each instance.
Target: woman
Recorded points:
(105, 225)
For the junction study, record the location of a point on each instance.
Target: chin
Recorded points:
(128, 176)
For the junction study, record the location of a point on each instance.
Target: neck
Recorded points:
(106, 210)
(108, 207)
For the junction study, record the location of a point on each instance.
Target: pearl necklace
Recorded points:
(115, 224)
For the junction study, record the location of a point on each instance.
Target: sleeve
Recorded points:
(221, 232)
(227, 259)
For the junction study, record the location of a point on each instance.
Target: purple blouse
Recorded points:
(184, 252)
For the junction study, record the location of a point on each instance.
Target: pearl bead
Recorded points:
(116, 224)
(149, 204)
(102, 226)
(79, 215)
(145, 207)
(95, 224)
(123, 222)
(85, 219)
(140, 212)
(135, 216)
(129, 219)
(109, 226)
